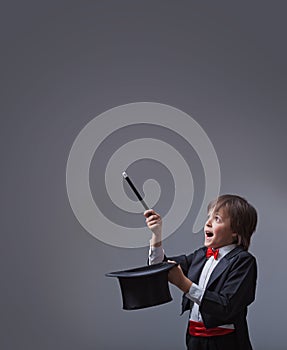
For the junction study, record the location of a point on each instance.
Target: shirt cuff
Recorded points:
(195, 293)
(156, 255)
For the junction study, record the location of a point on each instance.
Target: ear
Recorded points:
(235, 237)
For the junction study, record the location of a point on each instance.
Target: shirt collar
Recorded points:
(225, 250)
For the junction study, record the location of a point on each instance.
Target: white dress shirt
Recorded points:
(196, 291)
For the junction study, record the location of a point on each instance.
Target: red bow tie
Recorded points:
(211, 252)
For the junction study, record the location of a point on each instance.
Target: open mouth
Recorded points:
(209, 234)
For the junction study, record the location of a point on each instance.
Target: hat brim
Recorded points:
(148, 270)
(144, 287)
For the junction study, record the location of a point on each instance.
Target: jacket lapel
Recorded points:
(223, 264)
(197, 266)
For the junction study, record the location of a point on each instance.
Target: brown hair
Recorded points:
(243, 216)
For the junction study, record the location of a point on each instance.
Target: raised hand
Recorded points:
(154, 223)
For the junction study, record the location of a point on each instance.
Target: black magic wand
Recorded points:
(125, 175)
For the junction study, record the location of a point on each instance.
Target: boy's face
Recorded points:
(217, 229)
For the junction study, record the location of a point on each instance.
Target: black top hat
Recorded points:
(144, 286)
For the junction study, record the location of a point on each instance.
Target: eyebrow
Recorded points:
(216, 214)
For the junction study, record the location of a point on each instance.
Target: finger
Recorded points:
(152, 225)
(154, 221)
(172, 261)
(153, 218)
(149, 212)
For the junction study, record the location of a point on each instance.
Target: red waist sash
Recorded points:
(197, 329)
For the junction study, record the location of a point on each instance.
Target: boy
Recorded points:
(219, 279)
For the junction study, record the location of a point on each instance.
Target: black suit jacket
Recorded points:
(230, 289)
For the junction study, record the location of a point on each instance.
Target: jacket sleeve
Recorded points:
(183, 260)
(225, 300)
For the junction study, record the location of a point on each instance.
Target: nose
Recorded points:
(208, 222)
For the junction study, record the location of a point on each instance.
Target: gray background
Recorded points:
(65, 62)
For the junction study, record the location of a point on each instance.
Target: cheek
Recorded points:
(219, 232)
(216, 230)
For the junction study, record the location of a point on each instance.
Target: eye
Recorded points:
(217, 218)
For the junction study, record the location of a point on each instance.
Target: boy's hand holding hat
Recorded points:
(177, 277)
